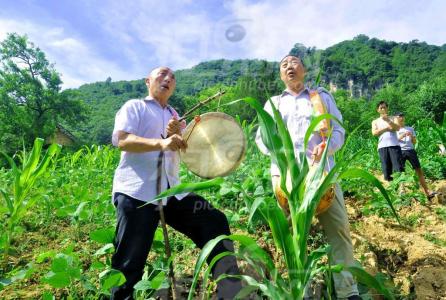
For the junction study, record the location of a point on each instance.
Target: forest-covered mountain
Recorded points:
(411, 76)
(361, 66)
(372, 63)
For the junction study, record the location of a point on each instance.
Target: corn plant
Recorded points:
(431, 140)
(75, 191)
(290, 237)
(20, 199)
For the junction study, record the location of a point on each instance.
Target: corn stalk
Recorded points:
(25, 177)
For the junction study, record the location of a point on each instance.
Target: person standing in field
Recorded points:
(297, 109)
(140, 126)
(407, 139)
(388, 145)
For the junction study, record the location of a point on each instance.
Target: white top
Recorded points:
(387, 138)
(297, 112)
(136, 173)
(406, 142)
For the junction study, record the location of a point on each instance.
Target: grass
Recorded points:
(432, 238)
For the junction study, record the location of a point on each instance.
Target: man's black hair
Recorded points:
(381, 103)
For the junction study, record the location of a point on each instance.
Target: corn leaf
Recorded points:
(362, 276)
(270, 135)
(249, 245)
(359, 173)
(31, 162)
(9, 201)
(281, 233)
(187, 188)
(288, 148)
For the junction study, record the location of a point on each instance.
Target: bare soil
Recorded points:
(413, 255)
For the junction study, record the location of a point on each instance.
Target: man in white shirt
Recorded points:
(296, 109)
(389, 149)
(140, 128)
(407, 139)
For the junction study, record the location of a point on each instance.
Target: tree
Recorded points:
(431, 98)
(355, 111)
(31, 101)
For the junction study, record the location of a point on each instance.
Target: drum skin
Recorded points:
(216, 145)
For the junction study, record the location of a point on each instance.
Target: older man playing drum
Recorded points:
(139, 126)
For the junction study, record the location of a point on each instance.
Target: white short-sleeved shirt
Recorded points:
(406, 142)
(136, 174)
(297, 113)
(387, 138)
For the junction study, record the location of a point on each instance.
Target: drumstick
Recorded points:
(200, 104)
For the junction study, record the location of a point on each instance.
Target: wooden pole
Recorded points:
(164, 227)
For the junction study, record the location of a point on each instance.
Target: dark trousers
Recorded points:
(192, 216)
(412, 157)
(391, 161)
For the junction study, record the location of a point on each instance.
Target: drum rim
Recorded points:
(223, 116)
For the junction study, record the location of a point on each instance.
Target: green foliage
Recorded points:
(103, 236)
(188, 188)
(31, 103)
(376, 283)
(414, 62)
(152, 282)
(373, 63)
(364, 61)
(64, 270)
(431, 99)
(111, 278)
(437, 241)
(429, 136)
(355, 112)
(19, 198)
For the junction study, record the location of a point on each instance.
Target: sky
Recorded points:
(90, 40)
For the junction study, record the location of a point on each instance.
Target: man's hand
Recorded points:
(173, 127)
(391, 126)
(173, 143)
(317, 152)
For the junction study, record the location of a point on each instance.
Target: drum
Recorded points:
(324, 203)
(216, 145)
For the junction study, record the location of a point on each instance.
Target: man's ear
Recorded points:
(147, 82)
